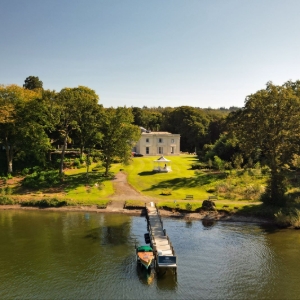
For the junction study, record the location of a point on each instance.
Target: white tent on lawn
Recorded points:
(162, 165)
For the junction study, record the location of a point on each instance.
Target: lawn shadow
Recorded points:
(186, 182)
(146, 173)
(195, 158)
(76, 180)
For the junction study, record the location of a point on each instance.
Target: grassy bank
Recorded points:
(235, 192)
(48, 189)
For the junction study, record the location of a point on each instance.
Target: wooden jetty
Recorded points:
(164, 253)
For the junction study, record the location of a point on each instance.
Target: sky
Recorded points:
(202, 53)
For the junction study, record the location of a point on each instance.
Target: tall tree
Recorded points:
(33, 82)
(18, 130)
(269, 123)
(88, 117)
(190, 123)
(119, 135)
(77, 109)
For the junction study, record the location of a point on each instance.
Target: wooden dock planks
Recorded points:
(161, 244)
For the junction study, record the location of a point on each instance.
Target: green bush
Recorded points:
(6, 201)
(76, 163)
(265, 170)
(188, 207)
(288, 217)
(199, 166)
(166, 192)
(36, 169)
(211, 190)
(134, 204)
(252, 192)
(42, 179)
(52, 202)
(8, 190)
(25, 171)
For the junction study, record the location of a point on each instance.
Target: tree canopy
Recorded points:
(33, 82)
(269, 124)
(119, 135)
(18, 130)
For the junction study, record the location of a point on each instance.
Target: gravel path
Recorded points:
(124, 191)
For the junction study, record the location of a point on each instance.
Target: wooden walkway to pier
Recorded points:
(160, 242)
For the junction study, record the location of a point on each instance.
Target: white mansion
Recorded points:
(158, 143)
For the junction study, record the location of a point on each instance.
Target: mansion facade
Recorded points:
(158, 143)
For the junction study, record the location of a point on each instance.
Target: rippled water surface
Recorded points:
(55, 255)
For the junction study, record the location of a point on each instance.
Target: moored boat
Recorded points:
(145, 255)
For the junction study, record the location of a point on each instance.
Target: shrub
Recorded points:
(211, 190)
(52, 202)
(76, 162)
(6, 200)
(223, 187)
(37, 169)
(253, 191)
(166, 192)
(8, 190)
(188, 207)
(25, 171)
(230, 196)
(199, 166)
(265, 170)
(42, 179)
(134, 204)
(288, 217)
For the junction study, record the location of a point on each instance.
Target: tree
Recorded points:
(88, 117)
(269, 123)
(33, 82)
(119, 136)
(78, 111)
(190, 123)
(19, 132)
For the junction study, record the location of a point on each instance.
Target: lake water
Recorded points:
(69, 255)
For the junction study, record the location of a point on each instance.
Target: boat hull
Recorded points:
(145, 258)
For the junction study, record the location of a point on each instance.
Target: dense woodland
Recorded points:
(35, 123)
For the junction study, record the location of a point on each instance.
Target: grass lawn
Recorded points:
(235, 191)
(76, 188)
(184, 181)
(181, 181)
(91, 191)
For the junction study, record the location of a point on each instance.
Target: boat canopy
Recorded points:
(144, 249)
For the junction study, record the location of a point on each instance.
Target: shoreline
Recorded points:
(206, 216)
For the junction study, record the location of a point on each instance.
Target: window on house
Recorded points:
(147, 140)
(172, 150)
(160, 150)
(147, 150)
(160, 140)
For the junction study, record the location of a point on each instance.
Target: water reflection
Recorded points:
(188, 223)
(146, 276)
(93, 234)
(46, 255)
(167, 280)
(208, 223)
